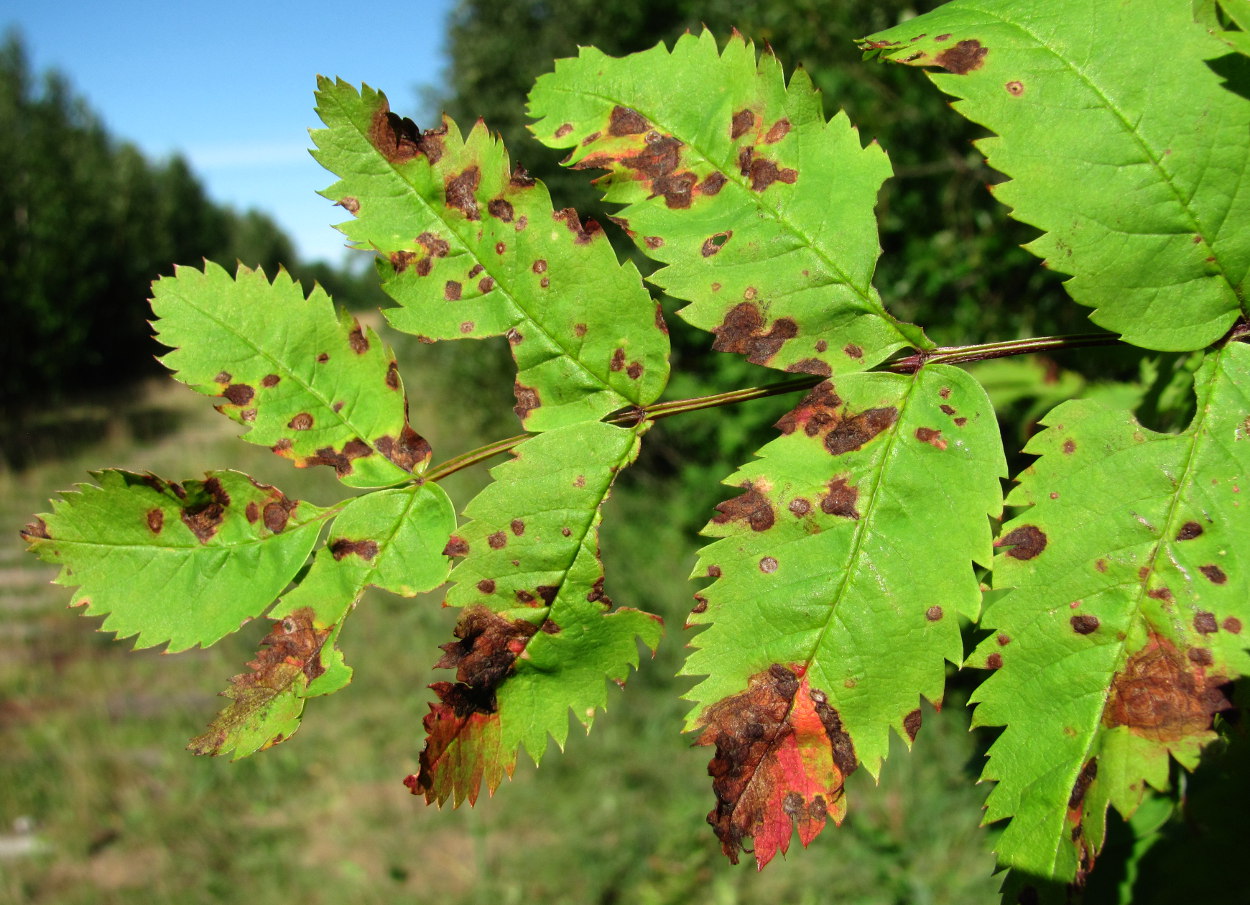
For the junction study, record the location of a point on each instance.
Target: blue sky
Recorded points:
(230, 85)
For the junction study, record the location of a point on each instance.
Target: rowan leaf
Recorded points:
(538, 637)
(761, 208)
(316, 387)
(182, 563)
(471, 250)
(1130, 582)
(391, 539)
(840, 573)
(1123, 144)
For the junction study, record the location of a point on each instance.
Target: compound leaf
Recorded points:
(471, 250)
(183, 563)
(761, 208)
(840, 574)
(1123, 145)
(318, 388)
(538, 636)
(1130, 582)
(392, 539)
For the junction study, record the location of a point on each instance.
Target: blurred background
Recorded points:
(134, 136)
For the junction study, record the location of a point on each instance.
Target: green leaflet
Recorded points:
(841, 571)
(183, 563)
(471, 250)
(391, 539)
(1128, 613)
(317, 387)
(762, 209)
(538, 637)
(1122, 143)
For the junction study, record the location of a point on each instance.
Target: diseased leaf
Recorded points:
(391, 539)
(319, 389)
(840, 573)
(470, 250)
(762, 209)
(538, 637)
(1123, 145)
(182, 563)
(1126, 619)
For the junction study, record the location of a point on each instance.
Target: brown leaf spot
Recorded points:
(252, 512)
(205, 515)
(1084, 625)
(911, 723)
(700, 604)
(239, 393)
(768, 565)
(634, 370)
(994, 661)
(357, 339)
(1003, 640)
(1025, 542)
(618, 360)
(712, 184)
(452, 290)
(963, 58)
(301, 422)
(933, 613)
(810, 366)
(849, 434)
(763, 172)
(742, 121)
(323, 357)
(498, 540)
(460, 192)
(485, 285)
(563, 130)
(751, 507)
(800, 507)
(853, 351)
(223, 377)
(500, 209)
(840, 499)
(475, 270)
(1204, 623)
(1015, 88)
(486, 586)
(1087, 775)
(713, 244)
(402, 260)
(156, 520)
(624, 121)
(270, 380)
(779, 130)
(816, 413)
(350, 204)
(714, 571)
(1232, 625)
(743, 332)
(456, 546)
(365, 549)
(517, 526)
(408, 452)
(1214, 573)
(931, 436)
(1069, 447)
(399, 140)
(1189, 531)
(277, 513)
(584, 232)
(657, 163)
(1201, 656)
(1157, 695)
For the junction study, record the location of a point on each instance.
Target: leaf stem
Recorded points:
(909, 365)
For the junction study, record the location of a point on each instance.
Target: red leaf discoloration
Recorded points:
(782, 757)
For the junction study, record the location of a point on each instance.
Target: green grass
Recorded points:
(93, 771)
